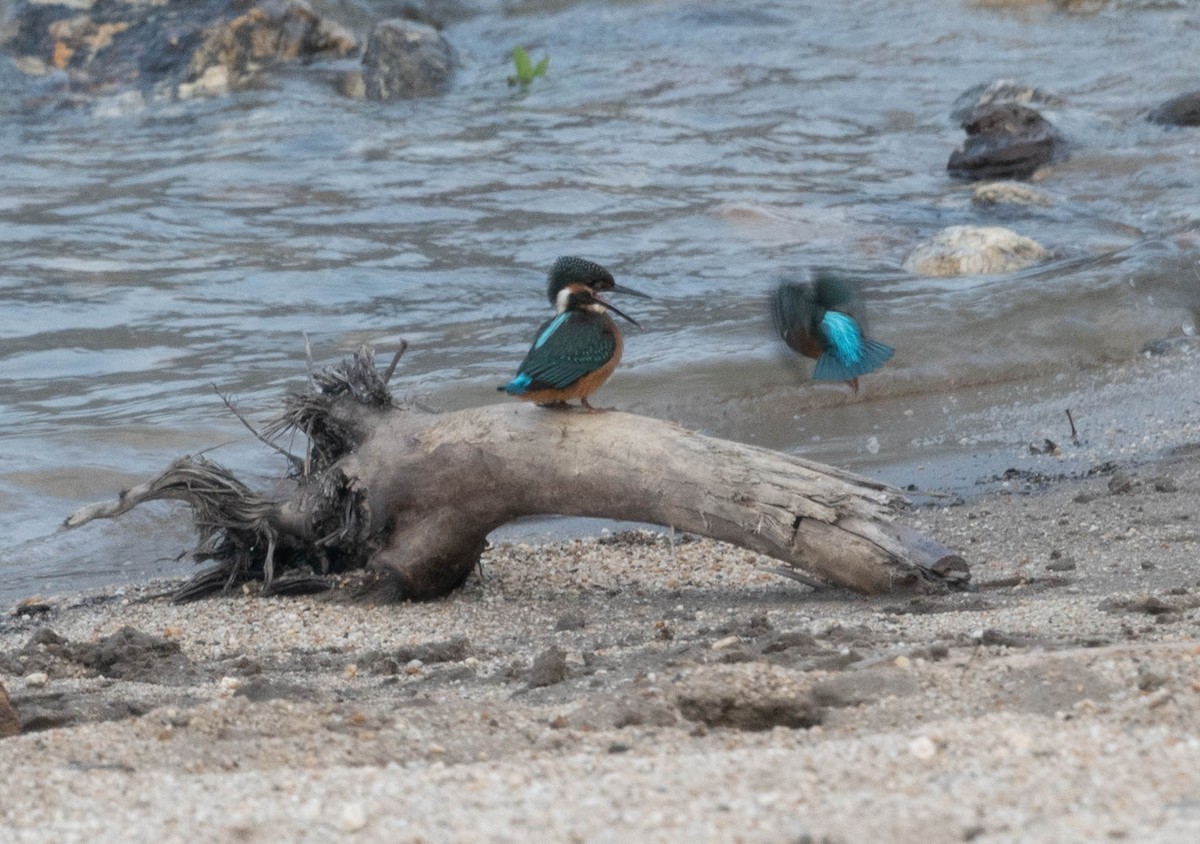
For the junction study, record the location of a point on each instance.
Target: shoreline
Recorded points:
(634, 686)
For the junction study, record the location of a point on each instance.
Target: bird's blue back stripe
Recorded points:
(843, 334)
(550, 329)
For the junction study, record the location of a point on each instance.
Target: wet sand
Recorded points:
(658, 688)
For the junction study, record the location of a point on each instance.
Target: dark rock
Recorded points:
(1164, 483)
(853, 688)
(1001, 91)
(999, 637)
(1005, 141)
(1061, 564)
(549, 667)
(747, 697)
(31, 609)
(1183, 110)
(570, 621)
(404, 60)
(10, 721)
(178, 47)
(1120, 484)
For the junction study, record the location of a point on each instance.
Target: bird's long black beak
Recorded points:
(620, 288)
(617, 311)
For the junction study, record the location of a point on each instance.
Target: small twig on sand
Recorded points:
(1074, 432)
(296, 462)
(387, 376)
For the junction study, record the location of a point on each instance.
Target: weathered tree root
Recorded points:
(415, 494)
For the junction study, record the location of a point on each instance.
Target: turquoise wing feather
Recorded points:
(567, 348)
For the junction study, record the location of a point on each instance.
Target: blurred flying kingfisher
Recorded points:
(823, 320)
(575, 351)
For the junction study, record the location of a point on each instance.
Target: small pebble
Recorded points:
(923, 747)
(354, 817)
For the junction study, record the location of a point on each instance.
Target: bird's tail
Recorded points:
(873, 355)
(517, 386)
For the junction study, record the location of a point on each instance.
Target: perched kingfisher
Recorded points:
(823, 320)
(576, 350)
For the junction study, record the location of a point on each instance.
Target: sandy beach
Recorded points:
(650, 687)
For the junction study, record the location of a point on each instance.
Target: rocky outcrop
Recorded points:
(1005, 141)
(1183, 110)
(403, 60)
(974, 250)
(177, 47)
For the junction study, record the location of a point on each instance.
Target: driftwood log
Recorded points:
(414, 494)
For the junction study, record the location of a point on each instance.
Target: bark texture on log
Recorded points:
(415, 494)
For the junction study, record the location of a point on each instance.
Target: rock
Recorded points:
(750, 696)
(1183, 110)
(549, 667)
(405, 59)
(177, 47)
(1001, 91)
(1005, 141)
(974, 250)
(1164, 483)
(10, 721)
(570, 621)
(1121, 484)
(1009, 193)
(1061, 563)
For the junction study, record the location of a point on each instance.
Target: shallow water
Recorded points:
(154, 251)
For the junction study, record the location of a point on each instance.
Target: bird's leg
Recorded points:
(853, 382)
(583, 401)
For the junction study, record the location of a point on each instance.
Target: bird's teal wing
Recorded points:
(848, 354)
(567, 348)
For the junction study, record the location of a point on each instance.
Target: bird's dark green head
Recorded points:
(569, 270)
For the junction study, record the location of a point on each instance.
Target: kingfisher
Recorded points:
(571, 270)
(823, 319)
(576, 350)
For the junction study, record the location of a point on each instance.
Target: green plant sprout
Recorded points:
(527, 71)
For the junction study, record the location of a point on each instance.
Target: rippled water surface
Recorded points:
(701, 151)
